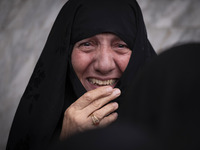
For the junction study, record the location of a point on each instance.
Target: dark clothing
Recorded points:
(118, 136)
(166, 98)
(54, 85)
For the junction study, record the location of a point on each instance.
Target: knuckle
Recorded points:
(69, 112)
(98, 115)
(96, 104)
(72, 116)
(75, 106)
(87, 96)
(76, 119)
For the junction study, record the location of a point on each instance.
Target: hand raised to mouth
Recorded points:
(90, 111)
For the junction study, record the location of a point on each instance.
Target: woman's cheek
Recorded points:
(122, 61)
(80, 62)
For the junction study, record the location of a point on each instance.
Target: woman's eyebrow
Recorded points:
(117, 39)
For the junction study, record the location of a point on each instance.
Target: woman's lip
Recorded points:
(103, 78)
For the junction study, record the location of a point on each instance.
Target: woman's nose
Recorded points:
(104, 61)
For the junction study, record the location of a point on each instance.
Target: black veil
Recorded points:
(54, 85)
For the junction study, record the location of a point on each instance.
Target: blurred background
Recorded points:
(25, 25)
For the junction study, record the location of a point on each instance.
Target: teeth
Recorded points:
(102, 83)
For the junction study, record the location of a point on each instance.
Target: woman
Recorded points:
(61, 98)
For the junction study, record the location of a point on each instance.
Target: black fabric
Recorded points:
(106, 16)
(54, 85)
(165, 101)
(118, 136)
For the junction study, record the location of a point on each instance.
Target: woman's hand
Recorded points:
(77, 117)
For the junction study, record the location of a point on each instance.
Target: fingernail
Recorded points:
(115, 105)
(109, 89)
(117, 92)
(115, 114)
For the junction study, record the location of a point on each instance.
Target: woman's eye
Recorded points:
(86, 44)
(122, 46)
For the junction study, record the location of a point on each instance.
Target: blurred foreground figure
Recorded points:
(167, 99)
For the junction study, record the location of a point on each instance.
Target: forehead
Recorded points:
(104, 36)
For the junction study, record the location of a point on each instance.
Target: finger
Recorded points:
(97, 104)
(106, 110)
(92, 95)
(108, 120)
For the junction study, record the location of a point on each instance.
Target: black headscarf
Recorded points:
(54, 85)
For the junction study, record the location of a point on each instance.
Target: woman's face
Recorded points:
(100, 60)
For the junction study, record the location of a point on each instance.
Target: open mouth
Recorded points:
(102, 82)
